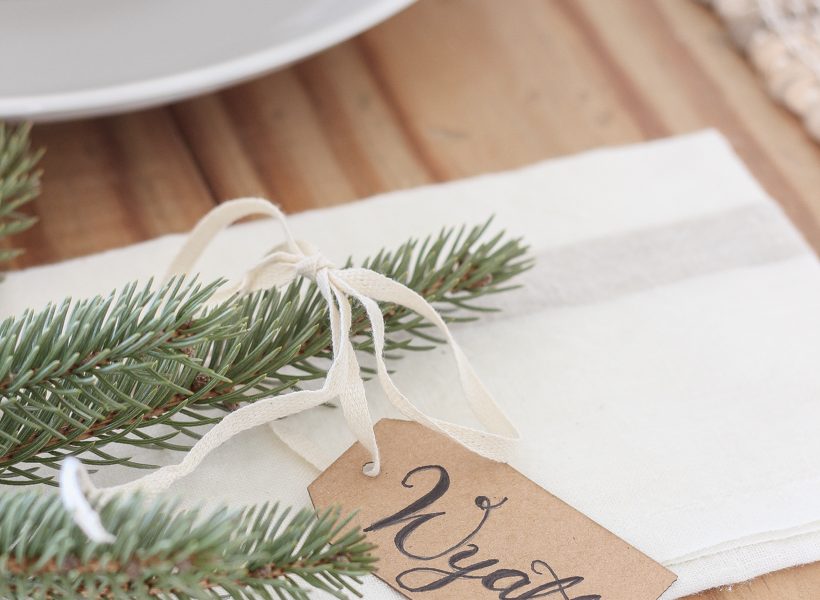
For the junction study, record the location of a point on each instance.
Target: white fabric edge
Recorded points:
(747, 562)
(748, 542)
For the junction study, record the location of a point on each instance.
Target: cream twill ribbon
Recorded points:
(343, 381)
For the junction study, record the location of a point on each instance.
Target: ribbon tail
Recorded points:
(497, 443)
(74, 482)
(247, 417)
(352, 396)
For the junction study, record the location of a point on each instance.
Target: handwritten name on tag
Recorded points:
(451, 525)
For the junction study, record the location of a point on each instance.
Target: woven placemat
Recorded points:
(782, 40)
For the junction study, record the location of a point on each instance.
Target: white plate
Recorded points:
(76, 58)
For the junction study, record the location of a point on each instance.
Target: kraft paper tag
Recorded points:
(451, 525)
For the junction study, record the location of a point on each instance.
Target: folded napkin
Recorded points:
(661, 360)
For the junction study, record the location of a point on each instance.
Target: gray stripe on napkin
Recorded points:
(608, 267)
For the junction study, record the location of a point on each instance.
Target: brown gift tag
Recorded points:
(450, 524)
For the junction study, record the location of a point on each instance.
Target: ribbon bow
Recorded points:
(338, 286)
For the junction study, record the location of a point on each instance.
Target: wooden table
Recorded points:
(448, 89)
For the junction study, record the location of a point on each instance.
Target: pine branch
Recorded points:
(77, 377)
(162, 552)
(19, 183)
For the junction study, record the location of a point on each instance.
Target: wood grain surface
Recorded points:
(447, 89)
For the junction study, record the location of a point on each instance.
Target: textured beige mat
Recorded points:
(782, 40)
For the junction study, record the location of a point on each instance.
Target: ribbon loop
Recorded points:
(343, 381)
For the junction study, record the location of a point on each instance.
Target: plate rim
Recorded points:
(134, 95)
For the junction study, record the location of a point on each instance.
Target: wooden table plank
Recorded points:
(499, 89)
(314, 135)
(111, 182)
(448, 89)
(770, 140)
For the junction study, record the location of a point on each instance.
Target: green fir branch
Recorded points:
(19, 183)
(79, 376)
(162, 552)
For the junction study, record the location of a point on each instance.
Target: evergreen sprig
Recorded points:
(79, 376)
(162, 552)
(19, 183)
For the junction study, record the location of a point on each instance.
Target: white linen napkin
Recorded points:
(661, 360)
